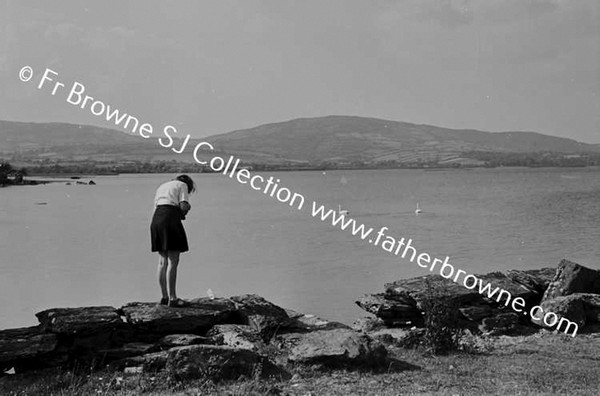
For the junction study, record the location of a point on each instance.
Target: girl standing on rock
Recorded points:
(171, 205)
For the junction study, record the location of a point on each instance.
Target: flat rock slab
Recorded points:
(85, 320)
(390, 310)
(430, 286)
(477, 312)
(262, 315)
(573, 278)
(434, 286)
(545, 275)
(503, 282)
(307, 323)
(197, 318)
(535, 280)
(397, 336)
(333, 348)
(368, 324)
(237, 336)
(25, 343)
(128, 350)
(220, 362)
(177, 340)
(293, 314)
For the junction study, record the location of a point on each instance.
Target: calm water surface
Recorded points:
(89, 245)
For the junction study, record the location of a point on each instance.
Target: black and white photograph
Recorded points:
(299, 197)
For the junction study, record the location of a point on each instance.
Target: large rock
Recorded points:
(569, 307)
(148, 363)
(302, 323)
(392, 312)
(399, 337)
(591, 305)
(573, 278)
(500, 324)
(82, 334)
(220, 362)
(197, 318)
(237, 336)
(403, 298)
(128, 350)
(477, 312)
(307, 323)
(579, 308)
(86, 320)
(177, 340)
(396, 304)
(413, 292)
(24, 343)
(535, 280)
(503, 282)
(368, 324)
(333, 348)
(423, 288)
(262, 315)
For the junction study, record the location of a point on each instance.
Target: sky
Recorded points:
(215, 66)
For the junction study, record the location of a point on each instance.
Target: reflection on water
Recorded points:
(89, 245)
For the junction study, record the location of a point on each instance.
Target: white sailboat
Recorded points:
(418, 210)
(342, 211)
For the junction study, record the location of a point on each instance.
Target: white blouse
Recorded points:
(171, 193)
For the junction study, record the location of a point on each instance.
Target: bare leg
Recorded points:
(172, 274)
(162, 274)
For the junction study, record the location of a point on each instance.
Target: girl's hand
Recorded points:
(184, 208)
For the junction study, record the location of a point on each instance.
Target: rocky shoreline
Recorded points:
(223, 338)
(571, 291)
(226, 338)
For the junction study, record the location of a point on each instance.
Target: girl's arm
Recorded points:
(185, 207)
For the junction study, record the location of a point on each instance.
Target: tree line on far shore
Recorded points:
(10, 175)
(538, 159)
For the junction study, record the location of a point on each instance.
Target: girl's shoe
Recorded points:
(178, 303)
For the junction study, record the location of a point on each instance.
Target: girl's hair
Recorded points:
(188, 181)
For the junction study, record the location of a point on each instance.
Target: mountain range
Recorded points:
(330, 139)
(347, 138)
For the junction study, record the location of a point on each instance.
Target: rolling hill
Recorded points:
(345, 138)
(331, 139)
(69, 141)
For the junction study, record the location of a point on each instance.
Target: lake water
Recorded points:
(89, 245)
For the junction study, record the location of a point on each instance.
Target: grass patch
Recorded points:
(442, 331)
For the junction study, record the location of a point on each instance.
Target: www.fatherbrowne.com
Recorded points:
(403, 248)
(270, 187)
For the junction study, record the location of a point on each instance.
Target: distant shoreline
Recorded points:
(27, 182)
(47, 179)
(71, 175)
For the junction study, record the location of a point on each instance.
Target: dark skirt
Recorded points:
(166, 230)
